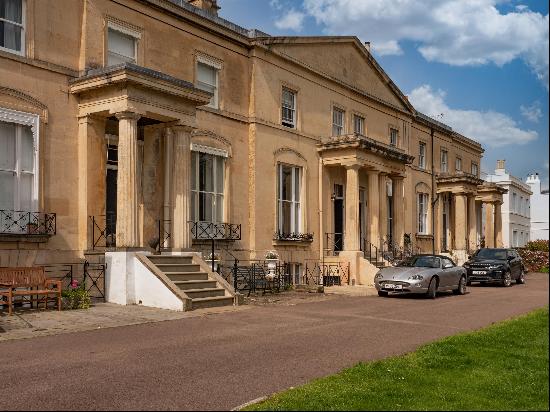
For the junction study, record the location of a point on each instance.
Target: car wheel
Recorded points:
(432, 289)
(521, 279)
(382, 294)
(507, 279)
(461, 290)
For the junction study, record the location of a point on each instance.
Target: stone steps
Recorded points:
(197, 284)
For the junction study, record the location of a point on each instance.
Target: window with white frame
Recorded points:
(515, 238)
(458, 164)
(288, 108)
(18, 161)
(359, 124)
(514, 202)
(422, 208)
(295, 272)
(474, 169)
(207, 185)
(121, 44)
(207, 80)
(422, 155)
(444, 161)
(289, 205)
(393, 136)
(520, 211)
(337, 121)
(12, 26)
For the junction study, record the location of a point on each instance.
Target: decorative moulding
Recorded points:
(34, 103)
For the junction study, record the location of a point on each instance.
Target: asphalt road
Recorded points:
(224, 360)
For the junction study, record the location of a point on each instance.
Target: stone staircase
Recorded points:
(204, 288)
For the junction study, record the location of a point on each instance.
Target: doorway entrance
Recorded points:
(338, 218)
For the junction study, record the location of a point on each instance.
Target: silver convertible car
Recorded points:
(422, 274)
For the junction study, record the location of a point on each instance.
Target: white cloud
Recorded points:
(532, 113)
(489, 128)
(455, 32)
(292, 20)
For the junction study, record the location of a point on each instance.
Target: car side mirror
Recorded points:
(469, 257)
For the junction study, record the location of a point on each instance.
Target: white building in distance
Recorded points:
(516, 217)
(539, 208)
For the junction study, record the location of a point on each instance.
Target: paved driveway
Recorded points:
(224, 360)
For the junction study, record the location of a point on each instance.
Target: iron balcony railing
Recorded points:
(18, 222)
(297, 237)
(215, 231)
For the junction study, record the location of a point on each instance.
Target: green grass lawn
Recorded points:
(502, 367)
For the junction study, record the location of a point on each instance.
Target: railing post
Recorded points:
(235, 269)
(93, 232)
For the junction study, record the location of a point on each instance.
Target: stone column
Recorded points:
(472, 223)
(398, 210)
(373, 204)
(351, 239)
(383, 207)
(127, 233)
(181, 188)
(498, 225)
(461, 221)
(489, 225)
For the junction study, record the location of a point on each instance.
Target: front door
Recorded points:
(362, 231)
(338, 218)
(445, 225)
(111, 195)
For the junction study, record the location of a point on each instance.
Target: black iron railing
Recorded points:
(326, 274)
(103, 231)
(17, 222)
(257, 276)
(215, 231)
(334, 243)
(297, 237)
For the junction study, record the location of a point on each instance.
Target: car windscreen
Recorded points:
(497, 254)
(422, 262)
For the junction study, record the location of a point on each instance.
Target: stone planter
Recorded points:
(271, 267)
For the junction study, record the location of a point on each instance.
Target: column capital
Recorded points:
(397, 177)
(128, 115)
(353, 166)
(372, 172)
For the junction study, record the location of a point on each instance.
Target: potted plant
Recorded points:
(76, 297)
(216, 258)
(271, 257)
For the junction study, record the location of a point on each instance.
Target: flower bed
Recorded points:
(535, 256)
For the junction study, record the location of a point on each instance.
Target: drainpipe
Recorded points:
(434, 198)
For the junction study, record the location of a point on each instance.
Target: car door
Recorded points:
(451, 273)
(446, 273)
(515, 264)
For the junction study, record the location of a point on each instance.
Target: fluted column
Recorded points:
(351, 239)
(498, 225)
(489, 225)
(383, 207)
(398, 210)
(472, 223)
(127, 233)
(373, 205)
(181, 194)
(461, 221)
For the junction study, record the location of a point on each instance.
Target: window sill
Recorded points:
(4, 237)
(424, 236)
(290, 242)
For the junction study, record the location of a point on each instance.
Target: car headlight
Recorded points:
(378, 276)
(416, 277)
(492, 267)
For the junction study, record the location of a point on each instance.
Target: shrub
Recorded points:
(534, 260)
(76, 297)
(538, 245)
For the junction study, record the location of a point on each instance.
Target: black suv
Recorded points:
(495, 266)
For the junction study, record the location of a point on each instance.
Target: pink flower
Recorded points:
(74, 284)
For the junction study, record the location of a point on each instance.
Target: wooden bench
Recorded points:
(34, 282)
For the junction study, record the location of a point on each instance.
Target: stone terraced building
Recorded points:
(134, 125)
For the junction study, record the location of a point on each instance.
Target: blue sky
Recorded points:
(483, 64)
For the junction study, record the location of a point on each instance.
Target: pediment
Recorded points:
(348, 63)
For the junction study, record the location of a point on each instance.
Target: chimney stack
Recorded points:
(210, 6)
(500, 164)
(367, 45)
